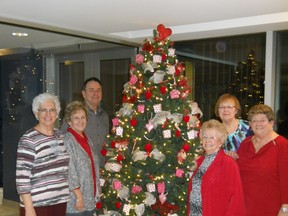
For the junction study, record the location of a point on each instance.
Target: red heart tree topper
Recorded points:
(163, 32)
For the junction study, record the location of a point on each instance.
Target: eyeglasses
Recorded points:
(51, 111)
(206, 138)
(228, 107)
(92, 91)
(261, 121)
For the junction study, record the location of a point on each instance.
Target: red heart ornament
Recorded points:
(163, 32)
(148, 147)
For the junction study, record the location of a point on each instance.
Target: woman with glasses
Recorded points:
(228, 109)
(42, 163)
(263, 164)
(215, 188)
(83, 172)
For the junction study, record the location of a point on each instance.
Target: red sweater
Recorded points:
(264, 175)
(221, 188)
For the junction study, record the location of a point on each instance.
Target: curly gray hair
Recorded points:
(41, 98)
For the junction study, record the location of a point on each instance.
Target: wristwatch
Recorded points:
(284, 209)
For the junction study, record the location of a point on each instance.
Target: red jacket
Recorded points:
(221, 188)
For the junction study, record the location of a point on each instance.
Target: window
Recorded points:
(114, 74)
(282, 87)
(220, 65)
(50, 62)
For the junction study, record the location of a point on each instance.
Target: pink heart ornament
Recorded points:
(149, 126)
(162, 198)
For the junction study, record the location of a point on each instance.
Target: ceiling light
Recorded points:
(20, 34)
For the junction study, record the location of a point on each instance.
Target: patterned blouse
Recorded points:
(195, 195)
(234, 139)
(42, 168)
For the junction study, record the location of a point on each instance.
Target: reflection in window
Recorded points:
(114, 74)
(57, 64)
(282, 67)
(71, 78)
(21, 80)
(220, 65)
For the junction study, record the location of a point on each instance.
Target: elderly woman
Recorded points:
(42, 163)
(263, 162)
(84, 165)
(228, 109)
(215, 187)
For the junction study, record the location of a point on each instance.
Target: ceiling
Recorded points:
(130, 22)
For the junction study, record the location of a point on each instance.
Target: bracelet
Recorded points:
(78, 199)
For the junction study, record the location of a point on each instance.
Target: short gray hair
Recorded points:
(41, 98)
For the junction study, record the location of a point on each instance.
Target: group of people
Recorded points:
(242, 172)
(57, 171)
(244, 168)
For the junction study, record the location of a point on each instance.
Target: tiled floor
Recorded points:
(7, 210)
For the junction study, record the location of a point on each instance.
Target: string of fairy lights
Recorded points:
(248, 83)
(27, 71)
(150, 169)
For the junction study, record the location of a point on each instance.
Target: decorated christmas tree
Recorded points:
(154, 141)
(26, 76)
(248, 83)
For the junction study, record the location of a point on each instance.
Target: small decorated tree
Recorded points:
(248, 83)
(151, 150)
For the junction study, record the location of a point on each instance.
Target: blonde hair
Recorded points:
(72, 108)
(217, 125)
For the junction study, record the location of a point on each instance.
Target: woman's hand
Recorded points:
(232, 154)
(30, 211)
(29, 208)
(281, 213)
(79, 205)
